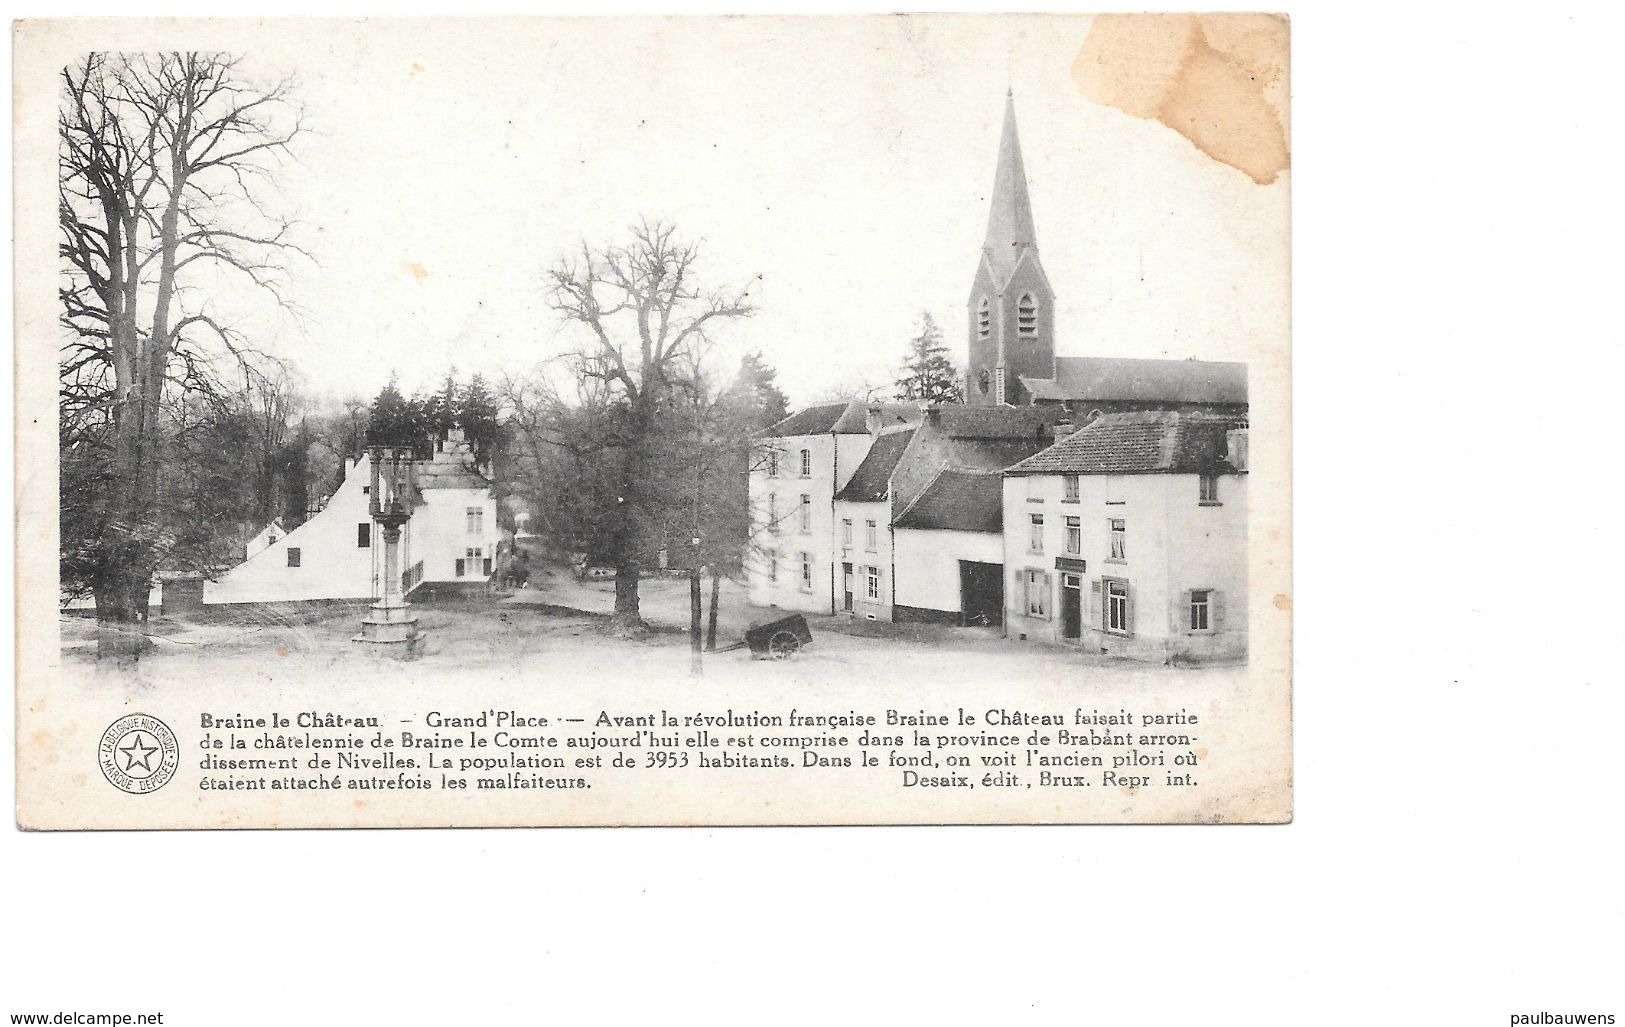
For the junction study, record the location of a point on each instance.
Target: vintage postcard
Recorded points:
(653, 421)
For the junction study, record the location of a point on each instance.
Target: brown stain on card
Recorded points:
(1219, 80)
(417, 271)
(1282, 601)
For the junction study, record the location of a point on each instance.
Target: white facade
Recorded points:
(1144, 549)
(864, 565)
(931, 559)
(339, 553)
(793, 481)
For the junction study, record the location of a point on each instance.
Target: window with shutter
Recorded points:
(1198, 604)
(1036, 588)
(363, 535)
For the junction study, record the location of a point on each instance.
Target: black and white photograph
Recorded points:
(895, 416)
(789, 515)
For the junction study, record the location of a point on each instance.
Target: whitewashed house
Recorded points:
(796, 469)
(1129, 537)
(338, 554)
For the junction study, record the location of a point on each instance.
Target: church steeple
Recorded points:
(1012, 307)
(1010, 228)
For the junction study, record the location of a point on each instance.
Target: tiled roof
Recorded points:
(848, 418)
(1125, 379)
(856, 418)
(811, 421)
(1139, 442)
(958, 501)
(967, 422)
(871, 480)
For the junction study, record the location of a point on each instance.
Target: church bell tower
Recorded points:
(1011, 311)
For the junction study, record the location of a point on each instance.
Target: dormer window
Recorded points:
(984, 319)
(1027, 316)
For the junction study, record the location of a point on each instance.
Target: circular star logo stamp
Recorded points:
(138, 753)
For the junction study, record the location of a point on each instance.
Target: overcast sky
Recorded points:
(846, 161)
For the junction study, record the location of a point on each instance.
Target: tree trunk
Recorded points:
(121, 615)
(694, 665)
(711, 618)
(628, 614)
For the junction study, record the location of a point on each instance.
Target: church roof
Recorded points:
(871, 481)
(1136, 380)
(1139, 442)
(967, 422)
(958, 501)
(1010, 230)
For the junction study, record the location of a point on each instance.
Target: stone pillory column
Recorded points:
(390, 629)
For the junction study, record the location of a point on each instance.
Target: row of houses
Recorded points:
(1124, 536)
(1098, 502)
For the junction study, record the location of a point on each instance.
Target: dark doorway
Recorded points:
(846, 587)
(1071, 606)
(981, 593)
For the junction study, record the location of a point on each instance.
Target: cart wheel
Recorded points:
(783, 645)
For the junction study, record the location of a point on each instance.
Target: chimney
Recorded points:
(931, 415)
(1061, 429)
(1236, 448)
(871, 419)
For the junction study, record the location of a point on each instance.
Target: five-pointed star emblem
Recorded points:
(144, 760)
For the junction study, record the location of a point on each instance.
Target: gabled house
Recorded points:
(337, 554)
(1129, 537)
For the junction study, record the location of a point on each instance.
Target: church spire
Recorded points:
(1010, 217)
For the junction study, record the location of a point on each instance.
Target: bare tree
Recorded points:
(645, 318)
(164, 160)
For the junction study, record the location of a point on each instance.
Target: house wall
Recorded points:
(331, 565)
(927, 563)
(834, 459)
(1173, 544)
(861, 556)
(438, 534)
